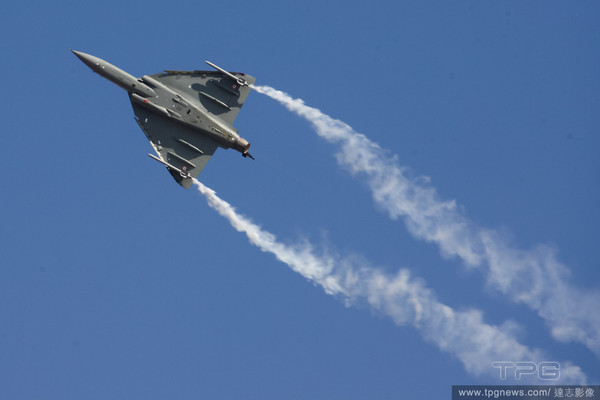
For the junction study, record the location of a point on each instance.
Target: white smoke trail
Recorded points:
(535, 278)
(404, 299)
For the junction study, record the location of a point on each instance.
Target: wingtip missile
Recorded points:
(239, 80)
(183, 173)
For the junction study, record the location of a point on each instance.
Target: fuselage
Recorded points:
(161, 99)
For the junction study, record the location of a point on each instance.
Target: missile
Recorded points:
(152, 107)
(184, 174)
(240, 81)
(115, 74)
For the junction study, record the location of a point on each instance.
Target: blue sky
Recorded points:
(117, 283)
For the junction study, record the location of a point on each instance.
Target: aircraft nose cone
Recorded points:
(79, 54)
(85, 58)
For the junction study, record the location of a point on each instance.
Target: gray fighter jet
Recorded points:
(186, 115)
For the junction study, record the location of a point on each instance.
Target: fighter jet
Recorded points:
(186, 115)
